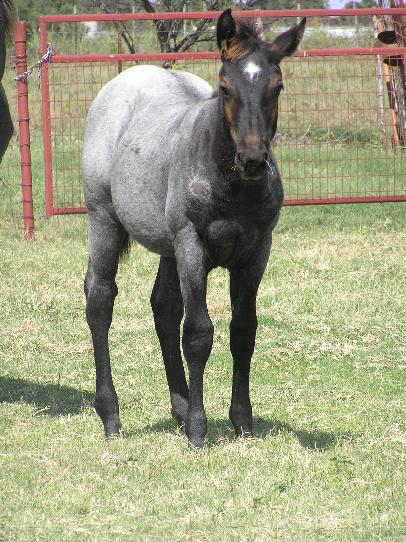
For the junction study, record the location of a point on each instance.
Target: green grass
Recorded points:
(328, 382)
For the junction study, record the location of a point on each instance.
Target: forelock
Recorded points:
(245, 41)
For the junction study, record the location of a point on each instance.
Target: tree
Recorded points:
(30, 11)
(356, 4)
(169, 31)
(291, 4)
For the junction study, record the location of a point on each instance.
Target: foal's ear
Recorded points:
(226, 29)
(287, 43)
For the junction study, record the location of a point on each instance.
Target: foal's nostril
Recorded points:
(251, 164)
(254, 167)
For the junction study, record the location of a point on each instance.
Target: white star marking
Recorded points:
(252, 70)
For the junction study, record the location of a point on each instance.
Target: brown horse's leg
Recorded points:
(6, 124)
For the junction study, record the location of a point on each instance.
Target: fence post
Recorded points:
(119, 48)
(20, 38)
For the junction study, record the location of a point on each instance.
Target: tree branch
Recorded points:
(202, 26)
(167, 31)
(162, 28)
(119, 25)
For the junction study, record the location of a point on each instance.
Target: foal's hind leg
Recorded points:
(167, 306)
(106, 239)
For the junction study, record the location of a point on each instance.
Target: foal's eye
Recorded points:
(225, 91)
(277, 89)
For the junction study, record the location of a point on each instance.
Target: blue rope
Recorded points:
(37, 66)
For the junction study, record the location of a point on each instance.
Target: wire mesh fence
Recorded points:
(334, 139)
(340, 116)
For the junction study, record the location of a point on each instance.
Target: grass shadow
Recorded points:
(220, 431)
(318, 441)
(48, 399)
(55, 400)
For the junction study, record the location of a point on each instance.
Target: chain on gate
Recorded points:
(37, 66)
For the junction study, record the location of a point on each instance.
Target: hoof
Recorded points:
(180, 422)
(196, 444)
(196, 429)
(243, 431)
(112, 427)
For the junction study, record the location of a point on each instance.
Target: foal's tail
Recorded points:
(7, 16)
(125, 248)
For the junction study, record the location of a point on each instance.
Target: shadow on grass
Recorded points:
(54, 400)
(318, 441)
(220, 431)
(48, 399)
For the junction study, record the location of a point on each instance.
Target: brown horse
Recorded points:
(7, 15)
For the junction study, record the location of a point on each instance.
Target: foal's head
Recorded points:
(250, 84)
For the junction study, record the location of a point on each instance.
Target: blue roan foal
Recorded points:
(189, 174)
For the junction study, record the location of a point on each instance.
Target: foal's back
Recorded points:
(129, 143)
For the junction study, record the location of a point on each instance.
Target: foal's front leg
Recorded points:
(244, 285)
(167, 306)
(197, 337)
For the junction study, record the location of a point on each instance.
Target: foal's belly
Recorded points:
(142, 213)
(147, 225)
(154, 240)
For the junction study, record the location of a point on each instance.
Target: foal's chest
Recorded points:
(231, 229)
(227, 242)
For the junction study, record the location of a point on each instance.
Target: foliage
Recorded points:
(356, 4)
(29, 11)
(168, 33)
(291, 4)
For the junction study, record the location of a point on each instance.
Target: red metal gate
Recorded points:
(335, 133)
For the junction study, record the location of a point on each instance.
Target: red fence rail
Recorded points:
(252, 13)
(334, 140)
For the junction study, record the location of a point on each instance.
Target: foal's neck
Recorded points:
(222, 146)
(222, 153)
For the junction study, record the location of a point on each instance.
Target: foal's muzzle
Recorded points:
(251, 166)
